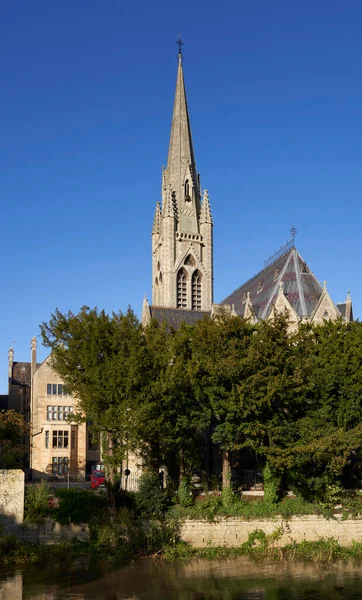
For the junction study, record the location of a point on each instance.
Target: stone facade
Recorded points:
(56, 447)
(234, 532)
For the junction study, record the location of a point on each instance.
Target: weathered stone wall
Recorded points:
(48, 531)
(234, 532)
(11, 496)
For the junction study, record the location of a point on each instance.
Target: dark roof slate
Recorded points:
(175, 316)
(22, 373)
(300, 286)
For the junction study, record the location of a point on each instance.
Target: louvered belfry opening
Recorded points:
(196, 290)
(182, 289)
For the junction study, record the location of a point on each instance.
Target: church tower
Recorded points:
(182, 243)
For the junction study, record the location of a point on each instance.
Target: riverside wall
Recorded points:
(48, 531)
(11, 496)
(233, 532)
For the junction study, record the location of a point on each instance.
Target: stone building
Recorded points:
(182, 252)
(57, 447)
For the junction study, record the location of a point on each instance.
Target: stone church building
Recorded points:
(182, 252)
(182, 291)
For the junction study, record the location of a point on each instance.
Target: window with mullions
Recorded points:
(58, 413)
(56, 389)
(59, 465)
(60, 439)
(47, 439)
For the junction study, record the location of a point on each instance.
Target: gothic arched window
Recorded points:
(196, 290)
(182, 289)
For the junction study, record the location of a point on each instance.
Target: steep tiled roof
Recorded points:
(175, 316)
(342, 307)
(22, 373)
(300, 287)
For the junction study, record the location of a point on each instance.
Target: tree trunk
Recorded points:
(226, 469)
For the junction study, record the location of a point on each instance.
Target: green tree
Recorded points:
(100, 358)
(14, 434)
(330, 434)
(219, 348)
(273, 394)
(170, 417)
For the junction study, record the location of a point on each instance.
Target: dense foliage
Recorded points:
(295, 399)
(14, 431)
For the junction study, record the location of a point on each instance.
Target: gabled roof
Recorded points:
(175, 316)
(21, 374)
(301, 287)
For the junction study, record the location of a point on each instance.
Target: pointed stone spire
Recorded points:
(181, 152)
(157, 219)
(146, 312)
(205, 215)
(349, 313)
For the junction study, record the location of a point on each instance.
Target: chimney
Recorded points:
(33, 357)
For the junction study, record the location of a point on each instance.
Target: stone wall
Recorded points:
(234, 532)
(48, 531)
(11, 496)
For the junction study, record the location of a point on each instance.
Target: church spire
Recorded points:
(182, 242)
(181, 172)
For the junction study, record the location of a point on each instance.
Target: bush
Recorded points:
(37, 501)
(184, 494)
(271, 485)
(78, 506)
(228, 498)
(151, 502)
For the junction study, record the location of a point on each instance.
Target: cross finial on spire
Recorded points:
(324, 285)
(294, 232)
(180, 43)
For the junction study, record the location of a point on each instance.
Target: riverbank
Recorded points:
(259, 546)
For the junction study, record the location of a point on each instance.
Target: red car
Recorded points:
(97, 479)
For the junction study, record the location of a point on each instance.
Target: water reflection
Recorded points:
(240, 579)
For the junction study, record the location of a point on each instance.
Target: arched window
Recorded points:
(196, 290)
(160, 277)
(182, 289)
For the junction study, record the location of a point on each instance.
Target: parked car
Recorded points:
(97, 479)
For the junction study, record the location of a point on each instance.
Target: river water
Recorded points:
(241, 579)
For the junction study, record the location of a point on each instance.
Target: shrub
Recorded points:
(228, 498)
(184, 494)
(37, 501)
(271, 485)
(78, 506)
(150, 499)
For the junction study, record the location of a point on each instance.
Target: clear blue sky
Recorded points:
(275, 97)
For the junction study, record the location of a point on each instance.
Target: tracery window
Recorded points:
(196, 290)
(182, 289)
